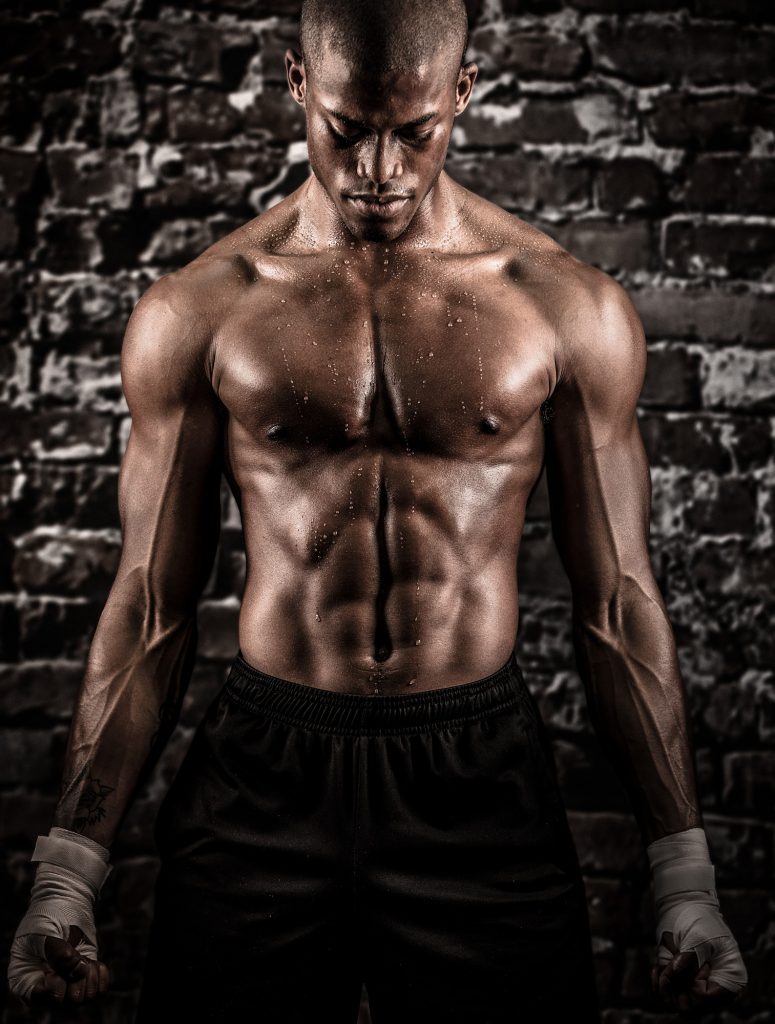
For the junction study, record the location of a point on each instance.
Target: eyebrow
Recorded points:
(353, 123)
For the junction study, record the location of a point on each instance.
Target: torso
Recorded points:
(383, 433)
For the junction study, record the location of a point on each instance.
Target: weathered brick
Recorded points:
(628, 183)
(720, 250)
(25, 814)
(731, 566)
(275, 115)
(18, 171)
(9, 233)
(672, 377)
(547, 120)
(180, 241)
(530, 54)
(540, 567)
(708, 314)
(201, 115)
(39, 688)
(727, 183)
(69, 243)
(722, 506)
(59, 50)
(66, 563)
(87, 305)
(749, 781)
(612, 247)
(742, 10)
(526, 183)
(54, 628)
(743, 711)
(209, 178)
(189, 52)
(64, 435)
(217, 623)
(607, 843)
(711, 122)
(27, 757)
(82, 177)
(690, 440)
(739, 378)
(649, 53)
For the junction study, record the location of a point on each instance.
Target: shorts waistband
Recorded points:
(328, 711)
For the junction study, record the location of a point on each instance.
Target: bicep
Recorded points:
(596, 464)
(169, 483)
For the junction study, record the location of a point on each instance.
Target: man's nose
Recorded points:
(379, 160)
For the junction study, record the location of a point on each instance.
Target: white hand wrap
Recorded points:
(69, 877)
(687, 905)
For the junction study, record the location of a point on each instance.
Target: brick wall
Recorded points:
(641, 134)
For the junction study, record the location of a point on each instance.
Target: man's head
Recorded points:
(381, 82)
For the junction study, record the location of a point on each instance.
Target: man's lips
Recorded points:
(377, 206)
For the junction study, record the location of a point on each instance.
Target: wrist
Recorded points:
(72, 856)
(680, 863)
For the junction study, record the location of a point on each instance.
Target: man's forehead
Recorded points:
(357, 95)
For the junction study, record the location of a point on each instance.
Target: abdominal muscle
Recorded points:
(382, 603)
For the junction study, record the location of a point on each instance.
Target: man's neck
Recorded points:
(435, 223)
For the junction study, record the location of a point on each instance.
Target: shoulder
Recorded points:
(599, 339)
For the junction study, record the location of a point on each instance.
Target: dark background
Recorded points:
(642, 136)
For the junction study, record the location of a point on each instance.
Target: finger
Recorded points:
(680, 972)
(103, 977)
(75, 991)
(92, 980)
(64, 957)
(55, 986)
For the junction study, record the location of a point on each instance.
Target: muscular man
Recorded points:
(381, 365)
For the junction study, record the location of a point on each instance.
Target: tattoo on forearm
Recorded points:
(92, 803)
(82, 799)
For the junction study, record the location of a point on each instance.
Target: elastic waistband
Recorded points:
(328, 711)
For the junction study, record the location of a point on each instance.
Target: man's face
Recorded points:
(377, 143)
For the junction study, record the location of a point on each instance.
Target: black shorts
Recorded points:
(313, 842)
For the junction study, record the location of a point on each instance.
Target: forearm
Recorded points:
(127, 706)
(637, 701)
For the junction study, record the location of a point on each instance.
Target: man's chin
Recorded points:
(377, 230)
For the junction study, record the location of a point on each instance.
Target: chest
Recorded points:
(445, 368)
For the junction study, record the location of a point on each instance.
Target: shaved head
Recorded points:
(383, 35)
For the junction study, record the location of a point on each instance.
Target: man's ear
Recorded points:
(465, 84)
(296, 75)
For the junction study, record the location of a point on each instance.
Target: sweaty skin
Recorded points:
(382, 395)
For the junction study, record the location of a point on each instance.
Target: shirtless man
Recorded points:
(381, 365)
